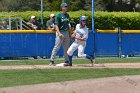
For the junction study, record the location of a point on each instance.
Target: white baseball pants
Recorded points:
(81, 47)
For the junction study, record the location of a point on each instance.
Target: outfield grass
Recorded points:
(75, 61)
(36, 76)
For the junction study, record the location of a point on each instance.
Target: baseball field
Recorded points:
(19, 73)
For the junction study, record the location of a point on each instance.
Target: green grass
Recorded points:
(37, 76)
(75, 61)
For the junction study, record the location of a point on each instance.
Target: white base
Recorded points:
(61, 64)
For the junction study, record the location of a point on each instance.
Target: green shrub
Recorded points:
(112, 20)
(26, 15)
(103, 20)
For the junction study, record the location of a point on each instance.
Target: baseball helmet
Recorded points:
(82, 19)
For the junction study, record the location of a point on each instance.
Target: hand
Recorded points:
(79, 38)
(83, 39)
(73, 35)
(60, 35)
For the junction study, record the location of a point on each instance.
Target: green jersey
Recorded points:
(63, 21)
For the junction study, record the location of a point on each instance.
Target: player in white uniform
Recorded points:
(80, 35)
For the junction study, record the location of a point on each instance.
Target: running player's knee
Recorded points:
(69, 53)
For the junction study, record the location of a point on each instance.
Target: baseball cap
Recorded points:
(32, 17)
(63, 5)
(52, 15)
(84, 16)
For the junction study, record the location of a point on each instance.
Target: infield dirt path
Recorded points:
(103, 65)
(123, 84)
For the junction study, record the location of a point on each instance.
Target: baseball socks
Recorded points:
(70, 61)
(91, 59)
(52, 63)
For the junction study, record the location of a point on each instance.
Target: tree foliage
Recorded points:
(74, 5)
(49, 5)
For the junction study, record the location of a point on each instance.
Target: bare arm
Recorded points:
(57, 30)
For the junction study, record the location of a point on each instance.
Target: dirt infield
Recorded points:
(105, 65)
(123, 84)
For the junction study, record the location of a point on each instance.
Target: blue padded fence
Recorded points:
(41, 44)
(131, 44)
(106, 44)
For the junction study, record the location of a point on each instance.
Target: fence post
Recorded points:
(119, 42)
(94, 34)
(20, 24)
(93, 29)
(9, 22)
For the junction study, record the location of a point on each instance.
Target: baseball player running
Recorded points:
(80, 35)
(62, 21)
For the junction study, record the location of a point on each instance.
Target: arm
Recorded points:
(57, 30)
(77, 37)
(57, 20)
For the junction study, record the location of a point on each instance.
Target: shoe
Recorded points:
(68, 64)
(52, 63)
(92, 61)
(66, 61)
(35, 57)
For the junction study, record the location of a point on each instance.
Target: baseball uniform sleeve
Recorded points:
(77, 27)
(57, 19)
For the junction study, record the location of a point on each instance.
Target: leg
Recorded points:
(81, 49)
(58, 43)
(65, 44)
(70, 51)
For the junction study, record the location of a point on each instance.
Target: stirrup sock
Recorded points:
(88, 57)
(70, 59)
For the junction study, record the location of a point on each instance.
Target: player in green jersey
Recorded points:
(62, 26)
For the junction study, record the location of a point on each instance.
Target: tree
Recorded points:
(99, 5)
(74, 5)
(120, 5)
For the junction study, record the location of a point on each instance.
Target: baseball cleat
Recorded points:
(68, 64)
(92, 62)
(52, 63)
